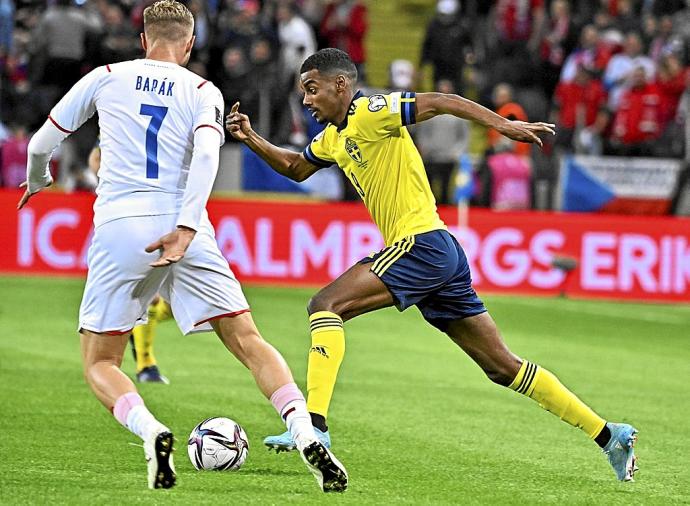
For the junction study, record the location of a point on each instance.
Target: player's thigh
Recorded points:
(202, 287)
(357, 291)
(120, 282)
(479, 337)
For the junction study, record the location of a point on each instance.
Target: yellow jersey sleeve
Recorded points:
(385, 114)
(318, 151)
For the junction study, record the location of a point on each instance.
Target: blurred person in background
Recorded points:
(618, 75)
(586, 53)
(672, 80)
(627, 18)
(297, 41)
(59, 45)
(118, 41)
(6, 29)
(664, 41)
(637, 120)
(441, 141)
(580, 105)
(447, 44)
(13, 155)
(559, 40)
(506, 107)
(344, 26)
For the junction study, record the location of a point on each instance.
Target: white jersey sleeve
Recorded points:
(209, 113)
(204, 165)
(79, 103)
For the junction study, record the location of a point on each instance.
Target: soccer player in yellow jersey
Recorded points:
(422, 264)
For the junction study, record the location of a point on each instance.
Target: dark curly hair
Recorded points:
(330, 61)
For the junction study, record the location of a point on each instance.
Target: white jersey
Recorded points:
(148, 111)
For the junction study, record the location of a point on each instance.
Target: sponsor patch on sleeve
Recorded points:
(376, 103)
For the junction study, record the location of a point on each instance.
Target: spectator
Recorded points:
(518, 23)
(6, 27)
(344, 26)
(558, 41)
(446, 44)
(505, 106)
(441, 141)
(672, 80)
(627, 20)
(580, 105)
(622, 66)
(586, 54)
(637, 121)
(297, 41)
(660, 8)
(119, 40)
(663, 42)
(13, 153)
(401, 75)
(59, 43)
(202, 26)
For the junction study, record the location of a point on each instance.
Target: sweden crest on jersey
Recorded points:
(353, 150)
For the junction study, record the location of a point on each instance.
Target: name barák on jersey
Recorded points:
(163, 87)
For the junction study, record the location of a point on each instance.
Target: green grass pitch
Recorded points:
(413, 419)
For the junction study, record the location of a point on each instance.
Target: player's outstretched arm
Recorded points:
(433, 104)
(40, 149)
(284, 161)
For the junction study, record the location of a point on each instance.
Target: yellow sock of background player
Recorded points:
(143, 336)
(325, 356)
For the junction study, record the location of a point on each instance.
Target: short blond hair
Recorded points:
(168, 19)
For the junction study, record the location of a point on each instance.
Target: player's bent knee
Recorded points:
(321, 302)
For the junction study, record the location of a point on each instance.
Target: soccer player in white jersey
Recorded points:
(161, 128)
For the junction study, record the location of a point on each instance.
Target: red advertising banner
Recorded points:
(289, 243)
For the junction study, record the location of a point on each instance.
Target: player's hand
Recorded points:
(526, 132)
(238, 124)
(27, 194)
(172, 246)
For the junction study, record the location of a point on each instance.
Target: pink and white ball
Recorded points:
(218, 444)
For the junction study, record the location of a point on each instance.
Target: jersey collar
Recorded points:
(350, 110)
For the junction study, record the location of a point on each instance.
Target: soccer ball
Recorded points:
(218, 444)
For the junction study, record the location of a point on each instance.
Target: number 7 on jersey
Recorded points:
(157, 114)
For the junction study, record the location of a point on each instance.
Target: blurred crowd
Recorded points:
(612, 74)
(251, 50)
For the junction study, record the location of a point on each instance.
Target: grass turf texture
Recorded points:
(414, 420)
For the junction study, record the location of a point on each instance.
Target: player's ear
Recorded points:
(190, 44)
(340, 83)
(142, 35)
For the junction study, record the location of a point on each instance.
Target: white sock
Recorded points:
(142, 423)
(298, 422)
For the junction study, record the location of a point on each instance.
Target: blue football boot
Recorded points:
(619, 450)
(285, 443)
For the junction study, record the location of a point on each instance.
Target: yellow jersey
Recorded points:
(375, 151)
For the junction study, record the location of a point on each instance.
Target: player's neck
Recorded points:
(345, 108)
(166, 54)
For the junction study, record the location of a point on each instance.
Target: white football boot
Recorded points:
(158, 450)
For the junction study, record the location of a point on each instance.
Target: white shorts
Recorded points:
(121, 284)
